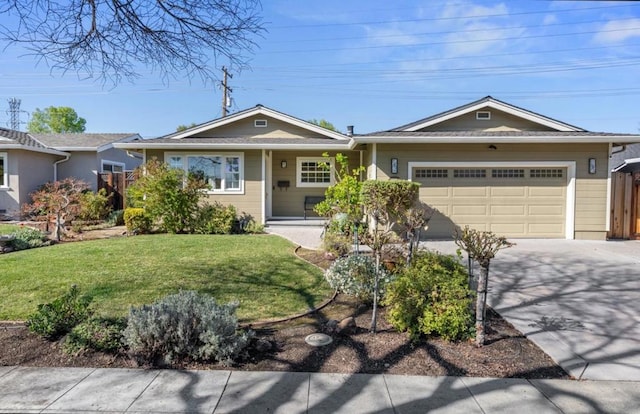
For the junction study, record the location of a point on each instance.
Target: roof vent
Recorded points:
(483, 115)
(260, 123)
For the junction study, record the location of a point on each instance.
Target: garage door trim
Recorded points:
(569, 165)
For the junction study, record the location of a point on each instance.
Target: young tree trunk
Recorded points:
(374, 313)
(481, 303)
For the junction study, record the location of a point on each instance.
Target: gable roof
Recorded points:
(185, 139)
(489, 102)
(84, 141)
(12, 139)
(561, 132)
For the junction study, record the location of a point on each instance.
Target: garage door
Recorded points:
(513, 202)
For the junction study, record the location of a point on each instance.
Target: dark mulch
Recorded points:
(507, 353)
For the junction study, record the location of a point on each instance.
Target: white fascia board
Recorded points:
(71, 149)
(499, 139)
(41, 150)
(560, 126)
(569, 165)
(181, 146)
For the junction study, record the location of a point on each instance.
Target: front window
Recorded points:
(3, 170)
(314, 172)
(222, 173)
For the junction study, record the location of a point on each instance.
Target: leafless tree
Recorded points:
(111, 40)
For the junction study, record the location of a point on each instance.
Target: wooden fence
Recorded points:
(116, 184)
(625, 217)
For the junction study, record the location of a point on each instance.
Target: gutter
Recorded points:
(55, 166)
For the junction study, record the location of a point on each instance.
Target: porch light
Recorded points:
(283, 164)
(592, 165)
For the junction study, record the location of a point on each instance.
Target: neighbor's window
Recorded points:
(112, 166)
(222, 173)
(314, 172)
(3, 170)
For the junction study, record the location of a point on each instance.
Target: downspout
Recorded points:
(55, 166)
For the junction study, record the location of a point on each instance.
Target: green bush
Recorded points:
(28, 238)
(185, 325)
(57, 318)
(216, 219)
(336, 243)
(137, 221)
(94, 206)
(431, 297)
(355, 275)
(116, 218)
(96, 334)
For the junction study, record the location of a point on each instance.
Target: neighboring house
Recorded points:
(625, 198)
(91, 154)
(487, 164)
(25, 164)
(29, 160)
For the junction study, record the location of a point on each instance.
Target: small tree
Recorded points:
(345, 195)
(384, 203)
(168, 196)
(59, 201)
(481, 246)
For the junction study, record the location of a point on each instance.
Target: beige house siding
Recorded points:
(468, 122)
(289, 201)
(591, 189)
(250, 201)
(246, 128)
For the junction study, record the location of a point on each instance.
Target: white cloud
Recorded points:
(616, 31)
(550, 19)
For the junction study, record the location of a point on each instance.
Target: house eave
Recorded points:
(497, 140)
(230, 146)
(41, 150)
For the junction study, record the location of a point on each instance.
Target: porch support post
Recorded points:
(263, 184)
(609, 208)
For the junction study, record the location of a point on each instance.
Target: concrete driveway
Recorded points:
(577, 300)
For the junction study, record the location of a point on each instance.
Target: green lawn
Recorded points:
(260, 271)
(8, 228)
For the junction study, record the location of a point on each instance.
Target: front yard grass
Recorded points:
(260, 271)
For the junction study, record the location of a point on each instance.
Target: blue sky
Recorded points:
(380, 64)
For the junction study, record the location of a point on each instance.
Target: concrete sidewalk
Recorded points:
(89, 390)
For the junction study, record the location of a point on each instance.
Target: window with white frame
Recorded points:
(4, 167)
(314, 172)
(112, 166)
(223, 173)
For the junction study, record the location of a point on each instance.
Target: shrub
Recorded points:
(431, 297)
(57, 318)
(96, 334)
(28, 238)
(216, 219)
(94, 206)
(355, 275)
(169, 196)
(116, 218)
(186, 324)
(137, 221)
(336, 243)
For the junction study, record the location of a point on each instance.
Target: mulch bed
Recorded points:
(283, 348)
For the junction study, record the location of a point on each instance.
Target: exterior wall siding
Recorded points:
(274, 129)
(468, 122)
(82, 165)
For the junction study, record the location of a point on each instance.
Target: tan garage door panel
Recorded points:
(515, 202)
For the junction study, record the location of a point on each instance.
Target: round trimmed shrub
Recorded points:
(355, 275)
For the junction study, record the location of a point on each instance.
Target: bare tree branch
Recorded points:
(110, 39)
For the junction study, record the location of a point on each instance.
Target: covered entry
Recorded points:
(520, 200)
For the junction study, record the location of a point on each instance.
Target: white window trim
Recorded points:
(330, 161)
(184, 156)
(260, 123)
(109, 162)
(485, 118)
(571, 180)
(5, 175)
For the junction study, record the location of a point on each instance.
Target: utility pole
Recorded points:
(226, 91)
